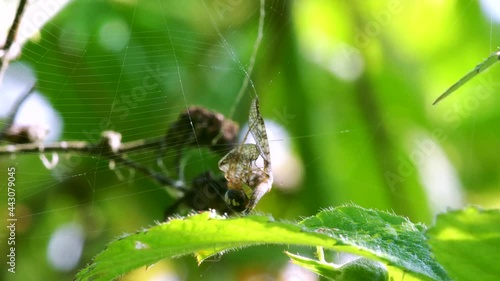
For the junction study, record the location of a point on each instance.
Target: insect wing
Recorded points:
(238, 162)
(265, 177)
(258, 130)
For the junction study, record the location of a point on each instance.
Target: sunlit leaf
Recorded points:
(467, 243)
(373, 234)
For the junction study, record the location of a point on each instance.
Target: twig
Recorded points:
(14, 110)
(11, 37)
(72, 146)
(84, 147)
(15, 25)
(140, 144)
(77, 146)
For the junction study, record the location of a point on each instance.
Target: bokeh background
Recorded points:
(346, 86)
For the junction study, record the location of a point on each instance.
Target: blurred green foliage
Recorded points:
(351, 81)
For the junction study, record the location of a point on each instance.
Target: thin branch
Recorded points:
(14, 110)
(84, 147)
(11, 37)
(71, 146)
(141, 144)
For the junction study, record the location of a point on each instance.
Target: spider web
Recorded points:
(137, 86)
(174, 43)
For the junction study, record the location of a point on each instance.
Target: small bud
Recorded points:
(363, 269)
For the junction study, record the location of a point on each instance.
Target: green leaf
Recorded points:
(393, 239)
(204, 234)
(467, 242)
(377, 235)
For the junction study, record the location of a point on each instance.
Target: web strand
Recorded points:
(182, 91)
(114, 101)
